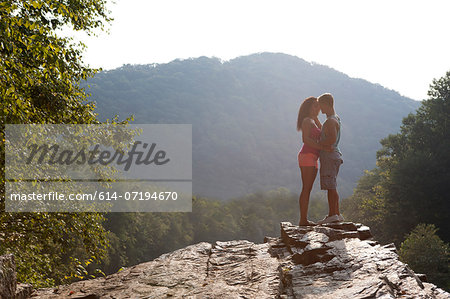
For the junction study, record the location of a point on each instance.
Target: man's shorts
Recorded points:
(329, 169)
(308, 159)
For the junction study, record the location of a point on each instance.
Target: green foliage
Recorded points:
(426, 253)
(40, 74)
(43, 243)
(40, 71)
(140, 237)
(417, 164)
(82, 270)
(410, 183)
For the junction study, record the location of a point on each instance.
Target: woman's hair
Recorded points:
(304, 110)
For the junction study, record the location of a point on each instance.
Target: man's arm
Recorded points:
(330, 132)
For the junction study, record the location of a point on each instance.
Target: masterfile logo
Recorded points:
(106, 168)
(91, 157)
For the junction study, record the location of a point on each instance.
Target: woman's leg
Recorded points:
(309, 174)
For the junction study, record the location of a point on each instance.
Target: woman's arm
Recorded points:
(306, 128)
(317, 122)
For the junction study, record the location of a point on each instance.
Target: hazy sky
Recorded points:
(401, 45)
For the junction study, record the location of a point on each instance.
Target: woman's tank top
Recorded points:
(314, 133)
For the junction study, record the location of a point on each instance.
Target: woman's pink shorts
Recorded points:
(308, 159)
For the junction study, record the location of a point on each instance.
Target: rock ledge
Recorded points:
(331, 261)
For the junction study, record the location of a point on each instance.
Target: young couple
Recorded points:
(319, 141)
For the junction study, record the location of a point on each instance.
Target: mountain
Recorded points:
(243, 114)
(331, 261)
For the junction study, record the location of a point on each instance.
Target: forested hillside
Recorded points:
(243, 115)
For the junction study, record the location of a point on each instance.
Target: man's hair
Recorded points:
(327, 99)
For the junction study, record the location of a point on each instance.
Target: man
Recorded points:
(330, 161)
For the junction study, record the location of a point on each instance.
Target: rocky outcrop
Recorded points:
(341, 261)
(330, 261)
(223, 270)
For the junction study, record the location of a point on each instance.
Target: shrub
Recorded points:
(426, 253)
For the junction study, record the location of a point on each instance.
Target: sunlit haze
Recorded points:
(401, 45)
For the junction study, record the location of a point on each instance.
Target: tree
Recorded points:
(40, 71)
(426, 253)
(410, 183)
(40, 74)
(416, 163)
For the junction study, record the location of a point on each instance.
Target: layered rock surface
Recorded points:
(341, 261)
(331, 261)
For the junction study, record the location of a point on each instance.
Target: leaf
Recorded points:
(10, 90)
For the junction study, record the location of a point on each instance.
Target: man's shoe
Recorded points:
(324, 220)
(341, 218)
(329, 219)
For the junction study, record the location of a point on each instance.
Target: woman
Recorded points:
(309, 124)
